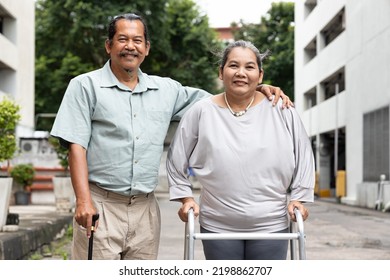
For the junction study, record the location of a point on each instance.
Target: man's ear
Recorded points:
(107, 45)
(147, 48)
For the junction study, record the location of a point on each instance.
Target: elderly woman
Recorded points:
(254, 162)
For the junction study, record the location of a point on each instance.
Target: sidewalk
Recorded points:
(39, 225)
(333, 232)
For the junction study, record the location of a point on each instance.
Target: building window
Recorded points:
(310, 98)
(309, 6)
(329, 87)
(376, 144)
(310, 51)
(334, 28)
(7, 25)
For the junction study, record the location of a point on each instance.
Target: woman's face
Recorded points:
(241, 74)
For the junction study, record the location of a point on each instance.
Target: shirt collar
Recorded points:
(110, 80)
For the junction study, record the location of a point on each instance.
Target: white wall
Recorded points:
(18, 57)
(363, 49)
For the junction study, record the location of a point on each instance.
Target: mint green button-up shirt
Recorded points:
(122, 130)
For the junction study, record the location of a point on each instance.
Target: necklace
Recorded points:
(239, 113)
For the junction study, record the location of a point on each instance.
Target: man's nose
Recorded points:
(130, 44)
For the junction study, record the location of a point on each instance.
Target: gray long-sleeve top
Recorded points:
(245, 165)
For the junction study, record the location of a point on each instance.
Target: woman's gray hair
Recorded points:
(243, 44)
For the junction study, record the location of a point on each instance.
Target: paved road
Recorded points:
(339, 232)
(333, 231)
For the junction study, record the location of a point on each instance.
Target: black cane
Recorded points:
(90, 246)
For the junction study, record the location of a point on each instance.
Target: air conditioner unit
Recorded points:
(29, 146)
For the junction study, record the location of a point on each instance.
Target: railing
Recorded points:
(379, 203)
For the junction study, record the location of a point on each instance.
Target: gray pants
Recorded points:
(245, 249)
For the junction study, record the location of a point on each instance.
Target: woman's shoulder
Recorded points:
(203, 103)
(199, 108)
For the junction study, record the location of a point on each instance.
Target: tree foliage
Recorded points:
(192, 44)
(276, 33)
(9, 118)
(70, 37)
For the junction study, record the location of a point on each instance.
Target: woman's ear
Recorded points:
(220, 74)
(261, 76)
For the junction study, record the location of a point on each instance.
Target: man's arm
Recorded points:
(79, 174)
(269, 90)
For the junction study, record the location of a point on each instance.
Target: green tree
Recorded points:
(276, 33)
(192, 44)
(70, 37)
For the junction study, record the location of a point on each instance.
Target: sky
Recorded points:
(222, 12)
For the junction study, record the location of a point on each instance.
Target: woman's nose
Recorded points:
(240, 72)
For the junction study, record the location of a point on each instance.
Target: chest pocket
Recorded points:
(158, 123)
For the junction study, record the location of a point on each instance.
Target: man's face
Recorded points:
(129, 47)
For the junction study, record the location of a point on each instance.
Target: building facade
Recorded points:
(342, 70)
(17, 58)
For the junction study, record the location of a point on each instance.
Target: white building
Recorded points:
(17, 58)
(342, 80)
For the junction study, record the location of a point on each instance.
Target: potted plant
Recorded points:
(9, 117)
(63, 188)
(23, 174)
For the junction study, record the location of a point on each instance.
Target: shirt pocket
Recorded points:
(158, 124)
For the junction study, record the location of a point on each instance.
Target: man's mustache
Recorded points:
(125, 53)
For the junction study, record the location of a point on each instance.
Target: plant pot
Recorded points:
(22, 198)
(64, 194)
(5, 195)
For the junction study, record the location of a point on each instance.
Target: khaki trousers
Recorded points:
(129, 228)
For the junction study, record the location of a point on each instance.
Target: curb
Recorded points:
(33, 233)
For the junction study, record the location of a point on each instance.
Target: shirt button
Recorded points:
(137, 137)
(136, 161)
(135, 115)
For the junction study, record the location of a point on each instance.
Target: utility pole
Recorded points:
(336, 134)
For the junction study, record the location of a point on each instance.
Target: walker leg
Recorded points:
(293, 247)
(189, 242)
(186, 242)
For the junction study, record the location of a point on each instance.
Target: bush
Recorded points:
(23, 174)
(9, 117)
